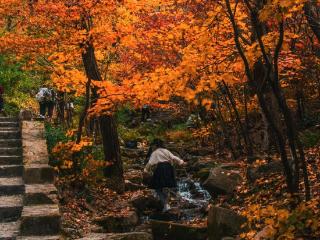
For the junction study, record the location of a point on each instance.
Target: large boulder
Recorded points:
(118, 223)
(146, 201)
(224, 222)
(173, 231)
(264, 170)
(221, 181)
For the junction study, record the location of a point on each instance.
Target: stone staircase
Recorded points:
(11, 184)
(28, 198)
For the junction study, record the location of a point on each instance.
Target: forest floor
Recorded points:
(92, 207)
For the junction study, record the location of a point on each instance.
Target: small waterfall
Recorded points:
(192, 192)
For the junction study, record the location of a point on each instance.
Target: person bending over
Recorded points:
(160, 165)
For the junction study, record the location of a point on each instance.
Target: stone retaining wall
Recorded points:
(40, 215)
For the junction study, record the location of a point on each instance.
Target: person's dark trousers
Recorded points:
(50, 106)
(145, 114)
(43, 107)
(163, 196)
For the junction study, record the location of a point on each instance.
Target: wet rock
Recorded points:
(223, 222)
(146, 201)
(264, 170)
(202, 174)
(222, 181)
(172, 231)
(121, 223)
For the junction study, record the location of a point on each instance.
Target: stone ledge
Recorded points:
(36, 194)
(9, 230)
(11, 186)
(40, 220)
(38, 173)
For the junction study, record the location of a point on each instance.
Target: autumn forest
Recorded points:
(168, 119)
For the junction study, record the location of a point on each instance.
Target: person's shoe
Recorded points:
(166, 208)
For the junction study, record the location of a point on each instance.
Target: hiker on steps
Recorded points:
(2, 101)
(160, 165)
(46, 98)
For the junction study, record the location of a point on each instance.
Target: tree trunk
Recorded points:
(310, 10)
(108, 127)
(112, 152)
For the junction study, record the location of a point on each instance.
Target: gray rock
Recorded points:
(146, 201)
(222, 181)
(174, 231)
(264, 170)
(223, 222)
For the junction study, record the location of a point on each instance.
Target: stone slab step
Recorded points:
(10, 151)
(9, 124)
(11, 170)
(40, 220)
(10, 134)
(8, 119)
(38, 174)
(9, 129)
(10, 143)
(11, 186)
(10, 208)
(10, 159)
(9, 231)
(37, 194)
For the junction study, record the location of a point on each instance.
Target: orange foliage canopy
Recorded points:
(146, 50)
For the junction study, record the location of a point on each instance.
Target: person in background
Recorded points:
(51, 102)
(145, 113)
(160, 166)
(1, 100)
(43, 97)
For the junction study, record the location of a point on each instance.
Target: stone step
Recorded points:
(11, 186)
(9, 124)
(10, 159)
(10, 143)
(10, 208)
(9, 231)
(38, 238)
(38, 174)
(10, 134)
(40, 220)
(11, 170)
(10, 150)
(37, 194)
(10, 129)
(9, 119)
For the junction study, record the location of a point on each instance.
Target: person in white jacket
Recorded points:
(161, 164)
